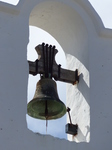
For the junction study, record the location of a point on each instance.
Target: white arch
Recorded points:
(70, 30)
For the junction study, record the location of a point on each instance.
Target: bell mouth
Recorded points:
(37, 108)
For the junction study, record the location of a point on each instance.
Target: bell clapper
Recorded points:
(46, 115)
(46, 125)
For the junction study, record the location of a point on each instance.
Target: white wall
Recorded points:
(81, 34)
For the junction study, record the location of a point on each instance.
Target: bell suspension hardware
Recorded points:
(71, 128)
(46, 65)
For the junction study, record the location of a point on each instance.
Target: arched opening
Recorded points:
(55, 128)
(65, 24)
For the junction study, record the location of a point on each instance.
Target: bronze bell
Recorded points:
(46, 104)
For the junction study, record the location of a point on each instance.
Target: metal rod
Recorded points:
(46, 64)
(59, 66)
(52, 60)
(46, 115)
(43, 56)
(68, 110)
(50, 68)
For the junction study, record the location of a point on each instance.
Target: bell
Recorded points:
(46, 104)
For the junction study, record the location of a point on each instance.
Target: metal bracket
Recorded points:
(71, 128)
(46, 65)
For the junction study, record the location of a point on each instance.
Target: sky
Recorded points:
(57, 127)
(104, 9)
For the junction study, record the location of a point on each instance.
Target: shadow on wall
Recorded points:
(83, 88)
(78, 100)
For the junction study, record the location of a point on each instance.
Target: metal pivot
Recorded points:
(71, 128)
(68, 110)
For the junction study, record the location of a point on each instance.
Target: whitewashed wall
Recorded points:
(87, 45)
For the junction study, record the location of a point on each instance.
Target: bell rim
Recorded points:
(36, 100)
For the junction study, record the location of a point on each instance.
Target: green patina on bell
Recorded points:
(46, 104)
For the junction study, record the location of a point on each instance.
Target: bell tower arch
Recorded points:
(67, 26)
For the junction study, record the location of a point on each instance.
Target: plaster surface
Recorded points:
(13, 2)
(86, 42)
